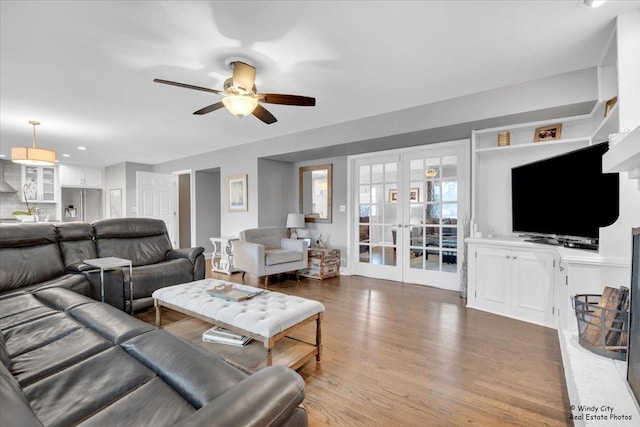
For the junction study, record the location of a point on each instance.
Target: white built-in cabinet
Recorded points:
(513, 279)
(39, 184)
(81, 177)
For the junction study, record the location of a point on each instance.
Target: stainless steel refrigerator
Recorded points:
(81, 204)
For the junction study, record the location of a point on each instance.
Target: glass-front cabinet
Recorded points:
(39, 184)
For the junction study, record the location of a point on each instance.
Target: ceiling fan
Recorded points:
(240, 95)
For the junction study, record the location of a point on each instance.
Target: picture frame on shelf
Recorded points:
(237, 193)
(609, 105)
(548, 133)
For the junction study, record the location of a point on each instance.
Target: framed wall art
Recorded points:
(237, 193)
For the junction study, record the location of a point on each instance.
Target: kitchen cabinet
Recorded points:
(81, 177)
(39, 184)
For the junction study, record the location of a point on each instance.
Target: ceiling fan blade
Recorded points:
(278, 98)
(210, 108)
(244, 76)
(264, 115)
(184, 85)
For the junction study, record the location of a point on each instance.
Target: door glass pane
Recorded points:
(389, 235)
(432, 188)
(449, 260)
(389, 256)
(449, 211)
(377, 173)
(365, 174)
(365, 194)
(449, 166)
(377, 255)
(365, 254)
(449, 191)
(432, 213)
(391, 193)
(416, 214)
(432, 168)
(416, 170)
(390, 172)
(365, 212)
(432, 260)
(391, 213)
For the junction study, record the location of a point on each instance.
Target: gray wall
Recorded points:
(336, 231)
(207, 203)
(276, 192)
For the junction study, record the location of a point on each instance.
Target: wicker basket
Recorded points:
(601, 330)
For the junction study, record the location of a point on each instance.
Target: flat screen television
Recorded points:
(566, 195)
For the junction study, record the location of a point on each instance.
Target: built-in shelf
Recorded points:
(625, 155)
(608, 126)
(534, 144)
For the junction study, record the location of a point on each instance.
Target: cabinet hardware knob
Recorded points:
(508, 256)
(515, 257)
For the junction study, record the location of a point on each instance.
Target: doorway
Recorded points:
(409, 207)
(184, 210)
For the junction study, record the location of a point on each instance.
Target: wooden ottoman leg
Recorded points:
(155, 302)
(269, 344)
(319, 336)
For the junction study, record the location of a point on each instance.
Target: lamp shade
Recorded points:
(295, 220)
(33, 156)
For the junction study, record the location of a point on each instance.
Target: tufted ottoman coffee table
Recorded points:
(267, 317)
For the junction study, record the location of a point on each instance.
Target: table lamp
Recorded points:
(294, 221)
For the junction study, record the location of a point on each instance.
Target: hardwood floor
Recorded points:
(401, 354)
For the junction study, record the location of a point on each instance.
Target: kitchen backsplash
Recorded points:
(10, 202)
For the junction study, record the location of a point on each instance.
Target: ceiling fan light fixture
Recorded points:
(240, 105)
(32, 155)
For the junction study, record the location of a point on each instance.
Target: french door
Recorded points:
(408, 206)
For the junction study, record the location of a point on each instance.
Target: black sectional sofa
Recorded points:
(38, 255)
(67, 359)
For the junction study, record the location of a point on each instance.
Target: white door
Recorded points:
(156, 198)
(407, 207)
(378, 216)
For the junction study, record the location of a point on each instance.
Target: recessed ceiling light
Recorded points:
(66, 155)
(82, 147)
(594, 3)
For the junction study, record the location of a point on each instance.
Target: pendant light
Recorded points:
(32, 155)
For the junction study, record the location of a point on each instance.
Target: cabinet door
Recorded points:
(532, 276)
(92, 177)
(48, 183)
(70, 176)
(39, 183)
(493, 271)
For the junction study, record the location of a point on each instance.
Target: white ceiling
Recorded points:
(85, 70)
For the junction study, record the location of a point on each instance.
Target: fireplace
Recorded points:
(633, 355)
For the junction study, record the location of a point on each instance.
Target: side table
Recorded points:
(112, 263)
(222, 247)
(323, 263)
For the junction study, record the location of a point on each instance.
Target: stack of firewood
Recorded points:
(608, 320)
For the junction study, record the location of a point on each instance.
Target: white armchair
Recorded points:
(266, 250)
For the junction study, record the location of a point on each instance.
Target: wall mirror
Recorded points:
(315, 184)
